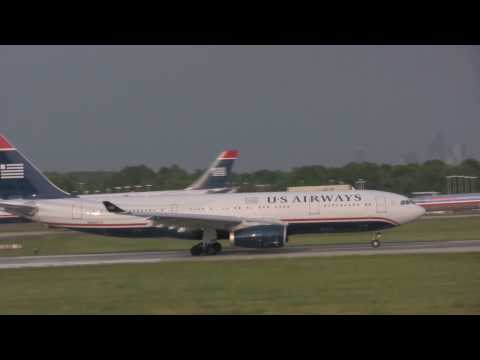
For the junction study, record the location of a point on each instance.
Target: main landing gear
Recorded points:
(208, 246)
(207, 249)
(376, 239)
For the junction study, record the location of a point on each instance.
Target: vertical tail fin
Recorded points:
(19, 178)
(217, 175)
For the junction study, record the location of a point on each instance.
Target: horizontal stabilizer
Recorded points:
(19, 210)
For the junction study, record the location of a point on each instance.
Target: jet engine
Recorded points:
(260, 236)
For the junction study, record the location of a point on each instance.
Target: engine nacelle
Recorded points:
(260, 236)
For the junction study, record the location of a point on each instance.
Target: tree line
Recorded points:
(402, 179)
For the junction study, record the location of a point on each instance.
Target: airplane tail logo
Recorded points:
(12, 171)
(220, 171)
(218, 174)
(19, 178)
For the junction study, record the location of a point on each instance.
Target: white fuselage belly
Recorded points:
(287, 207)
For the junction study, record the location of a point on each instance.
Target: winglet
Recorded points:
(229, 154)
(113, 208)
(4, 143)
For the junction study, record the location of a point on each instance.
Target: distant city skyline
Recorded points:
(106, 107)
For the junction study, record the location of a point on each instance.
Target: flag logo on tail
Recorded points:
(219, 171)
(12, 171)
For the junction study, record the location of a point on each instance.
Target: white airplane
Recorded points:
(252, 220)
(448, 202)
(213, 180)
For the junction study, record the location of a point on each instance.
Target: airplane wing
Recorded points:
(19, 210)
(197, 221)
(223, 190)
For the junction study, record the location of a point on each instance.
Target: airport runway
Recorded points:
(9, 235)
(448, 216)
(297, 251)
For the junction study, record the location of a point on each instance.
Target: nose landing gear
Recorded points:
(376, 239)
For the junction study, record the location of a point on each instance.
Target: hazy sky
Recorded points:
(105, 107)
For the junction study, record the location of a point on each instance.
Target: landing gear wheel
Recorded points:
(376, 239)
(209, 243)
(217, 247)
(375, 243)
(211, 249)
(196, 250)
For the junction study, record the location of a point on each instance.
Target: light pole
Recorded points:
(360, 184)
(81, 187)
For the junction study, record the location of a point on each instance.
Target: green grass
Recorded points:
(383, 284)
(73, 242)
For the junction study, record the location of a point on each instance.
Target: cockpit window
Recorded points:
(406, 202)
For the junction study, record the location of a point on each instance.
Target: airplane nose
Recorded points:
(420, 211)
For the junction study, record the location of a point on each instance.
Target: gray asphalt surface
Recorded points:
(449, 216)
(9, 235)
(424, 247)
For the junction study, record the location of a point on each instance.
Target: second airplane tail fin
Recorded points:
(218, 174)
(20, 179)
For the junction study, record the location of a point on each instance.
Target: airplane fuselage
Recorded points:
(6, 217)
(301, 212)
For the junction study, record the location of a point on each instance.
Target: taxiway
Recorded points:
(293, 251)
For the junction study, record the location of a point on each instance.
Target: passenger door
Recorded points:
(381, 204)
(77, 211)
